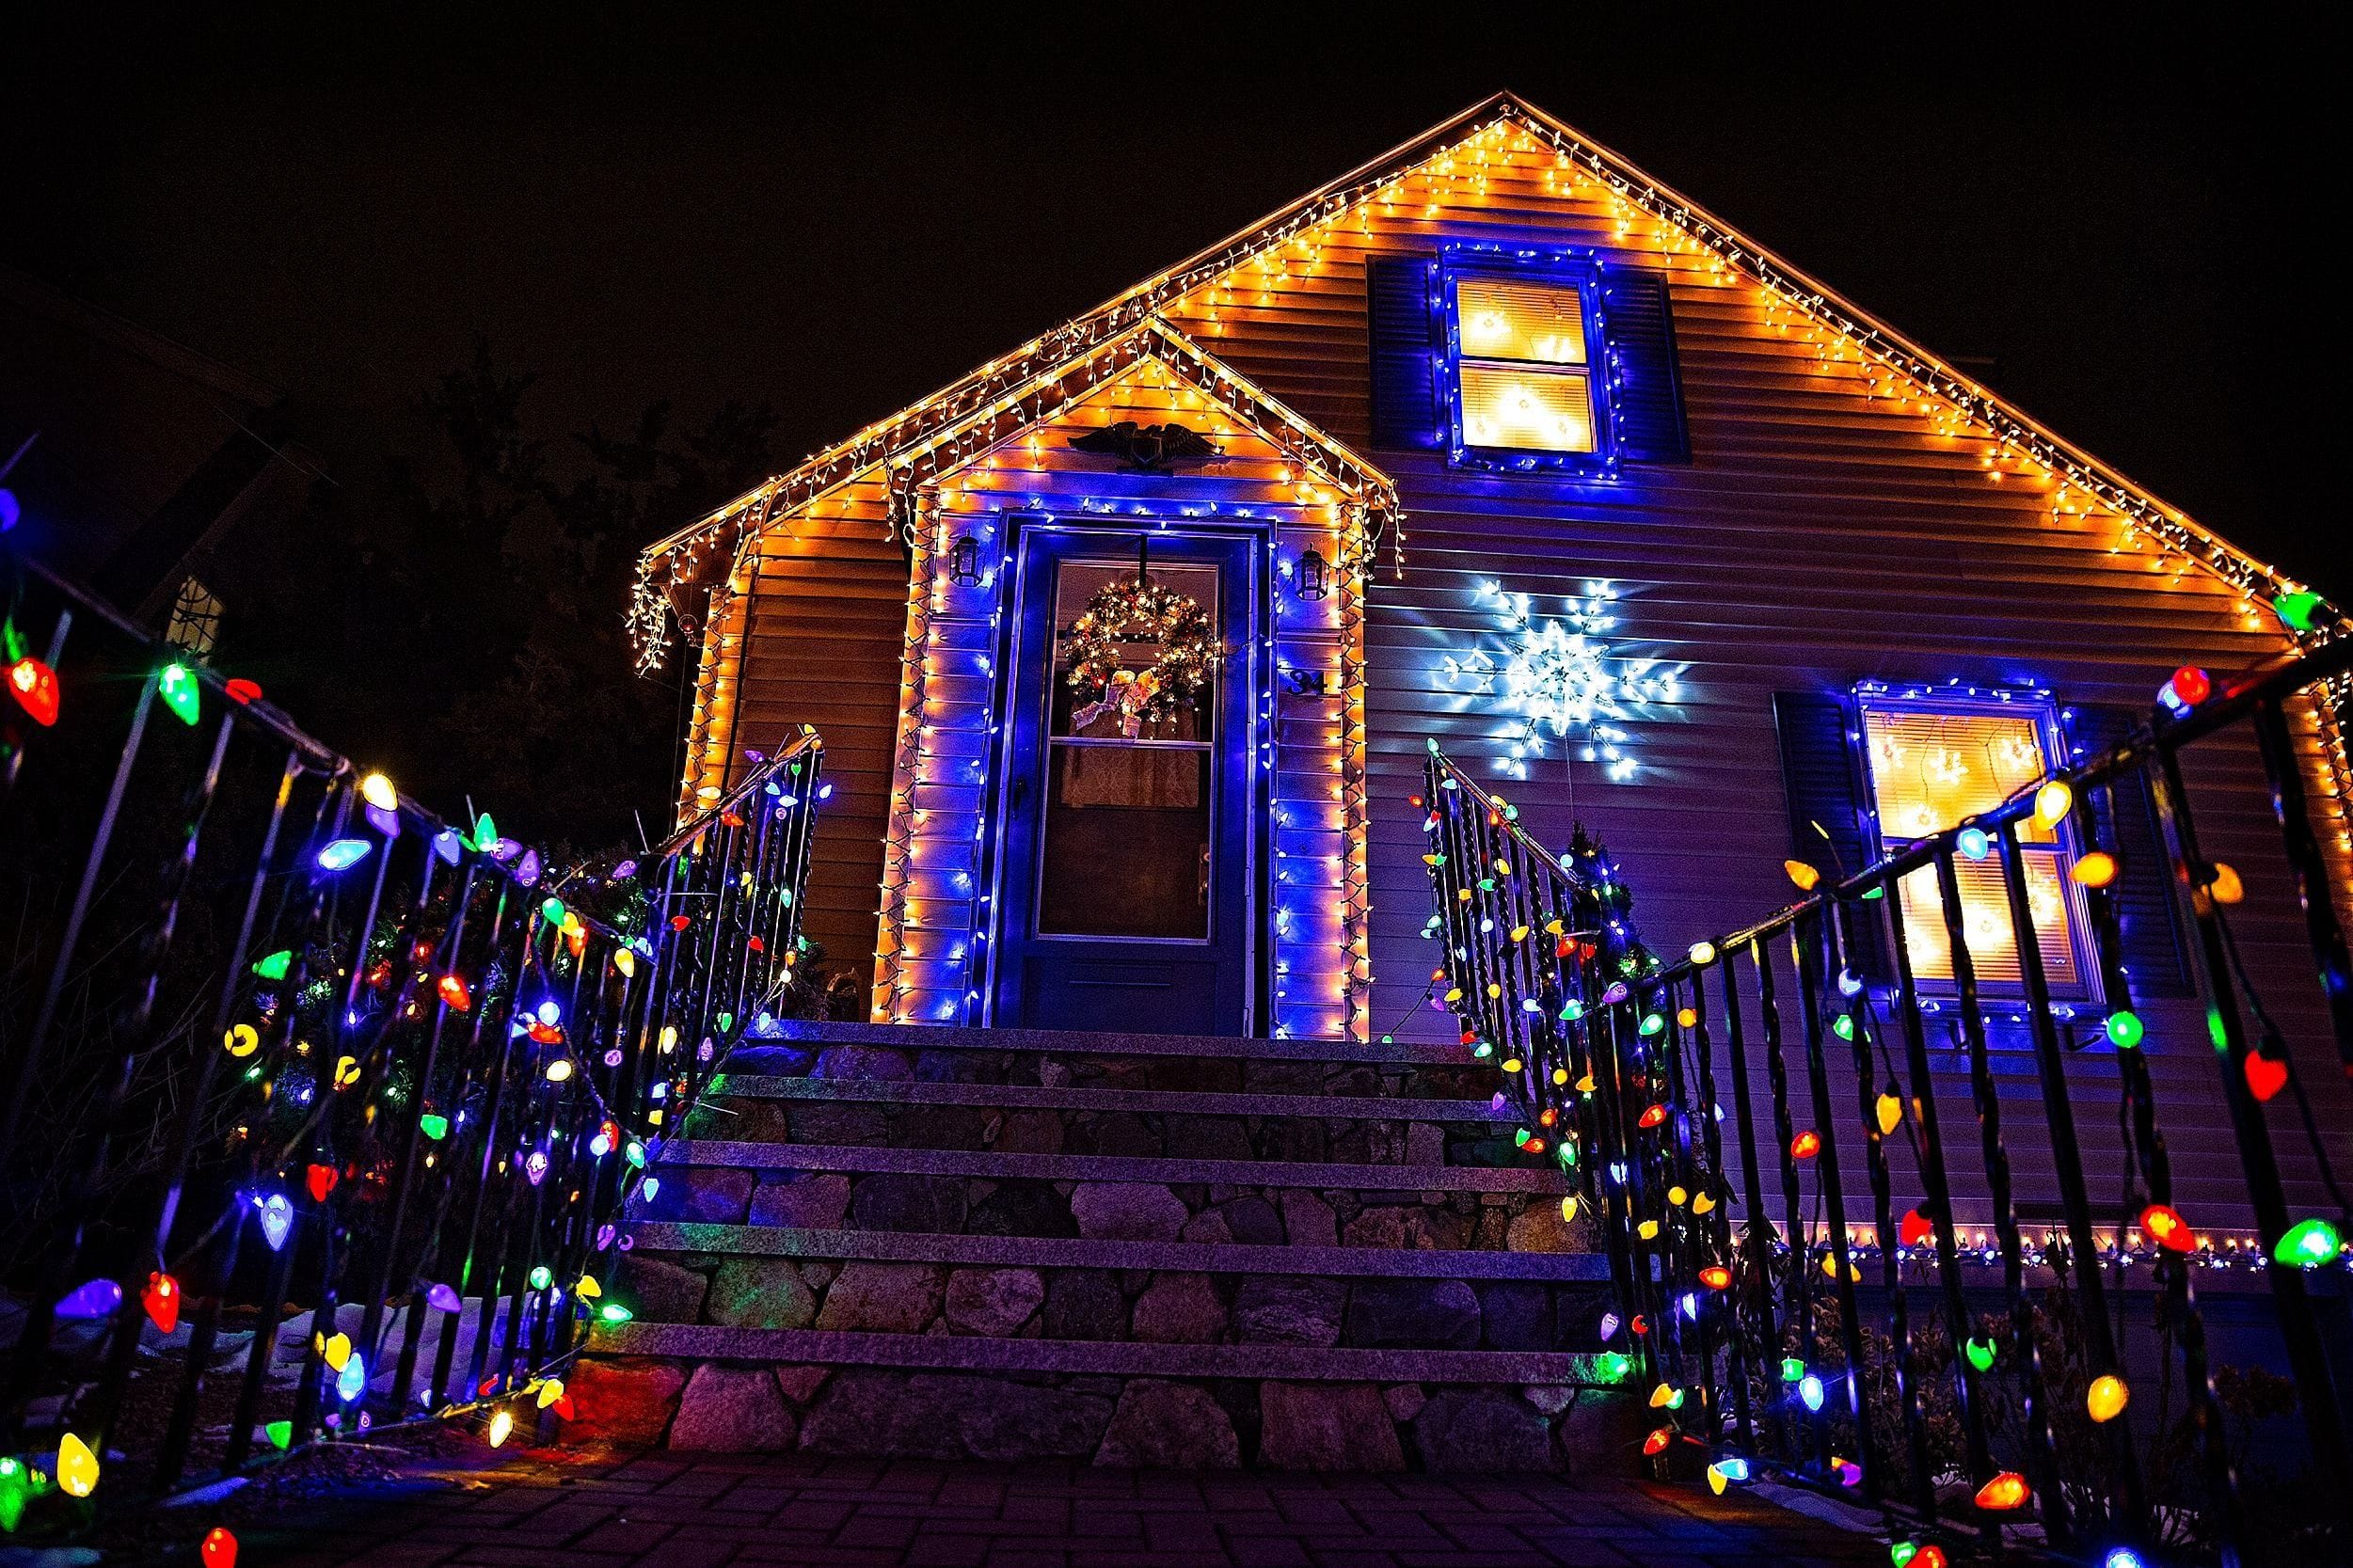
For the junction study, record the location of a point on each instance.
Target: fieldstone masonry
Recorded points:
(1132, 1251)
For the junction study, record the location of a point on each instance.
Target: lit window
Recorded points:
(195, 624)
(1935, 760)
(1525, 384)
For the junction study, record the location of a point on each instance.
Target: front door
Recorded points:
(1126, 856)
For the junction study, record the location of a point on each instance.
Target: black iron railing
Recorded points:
(1872, 1348)
(321, 1110)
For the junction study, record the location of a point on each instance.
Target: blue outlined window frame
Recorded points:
(1961, 701)
(1577, 267)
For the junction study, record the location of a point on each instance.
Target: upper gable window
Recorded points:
(1523, 359)
(1525, 384)
(1524, 380)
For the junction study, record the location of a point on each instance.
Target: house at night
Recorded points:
(1128, 650)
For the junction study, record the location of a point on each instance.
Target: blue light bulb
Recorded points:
(1809, 1388)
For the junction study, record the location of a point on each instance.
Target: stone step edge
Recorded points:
(1073, 1042)
(1112, 1167)
(1106, 1358)
(1060, 1251)
(756, 1085)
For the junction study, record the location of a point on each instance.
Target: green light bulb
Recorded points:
(275, 965)
(180, 692)
(1980, 1354)
(2309, 1244)
(2299, 611)
(2125, 1028)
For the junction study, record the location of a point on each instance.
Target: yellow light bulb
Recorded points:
(378, 792)
(2095, 869)
(2106, 1398)
(1890, 1113)
(2052, 802)
(77, 1467)
(1568, 1207)
(500, 1424)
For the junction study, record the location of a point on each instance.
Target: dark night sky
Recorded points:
(764, 205)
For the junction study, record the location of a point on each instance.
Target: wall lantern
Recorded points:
(1312, 575)
(963, 561)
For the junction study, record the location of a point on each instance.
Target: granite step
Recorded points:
(957, 1192)
(1065, 1289)
(1130, 1060)
(751, 1108)
(1062, 1252)
(1133, 1358)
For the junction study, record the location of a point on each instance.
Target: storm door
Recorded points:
(1125, 857)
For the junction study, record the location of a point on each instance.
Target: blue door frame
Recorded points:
(1211, 984)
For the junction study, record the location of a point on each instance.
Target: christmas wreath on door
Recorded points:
(1130, 612)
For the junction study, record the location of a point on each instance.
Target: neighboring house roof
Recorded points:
(142, 451)
(1011, 376)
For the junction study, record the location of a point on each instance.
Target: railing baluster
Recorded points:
(1812, 932)
(1797, 1309)
(1863, 1036)
(2176, 1312)
(1757, 1275)
(2067, 1157)
(2041, 1457)
(2298, 1325)
(1720, 1223)
(1937, 1183)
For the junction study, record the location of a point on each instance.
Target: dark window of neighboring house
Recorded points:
(195, 624)
(1523, 359)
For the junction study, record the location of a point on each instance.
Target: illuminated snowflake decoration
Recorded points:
(1560, 682)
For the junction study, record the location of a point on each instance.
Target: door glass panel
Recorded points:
(1127, 847)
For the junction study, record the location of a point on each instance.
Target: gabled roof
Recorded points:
(1015, 375)
(924, 452)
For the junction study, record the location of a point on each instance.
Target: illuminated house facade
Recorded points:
(1496, 443)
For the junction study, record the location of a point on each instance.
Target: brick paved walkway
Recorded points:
(560, 1511)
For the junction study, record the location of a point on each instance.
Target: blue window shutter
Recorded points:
(1638, 325)
(1820, 780)
(1404, 352)
(2147, 918)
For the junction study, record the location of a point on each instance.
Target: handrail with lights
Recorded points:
(302, 1041)
(1774, 1351)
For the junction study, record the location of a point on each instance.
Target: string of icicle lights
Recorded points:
(1500, 129)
